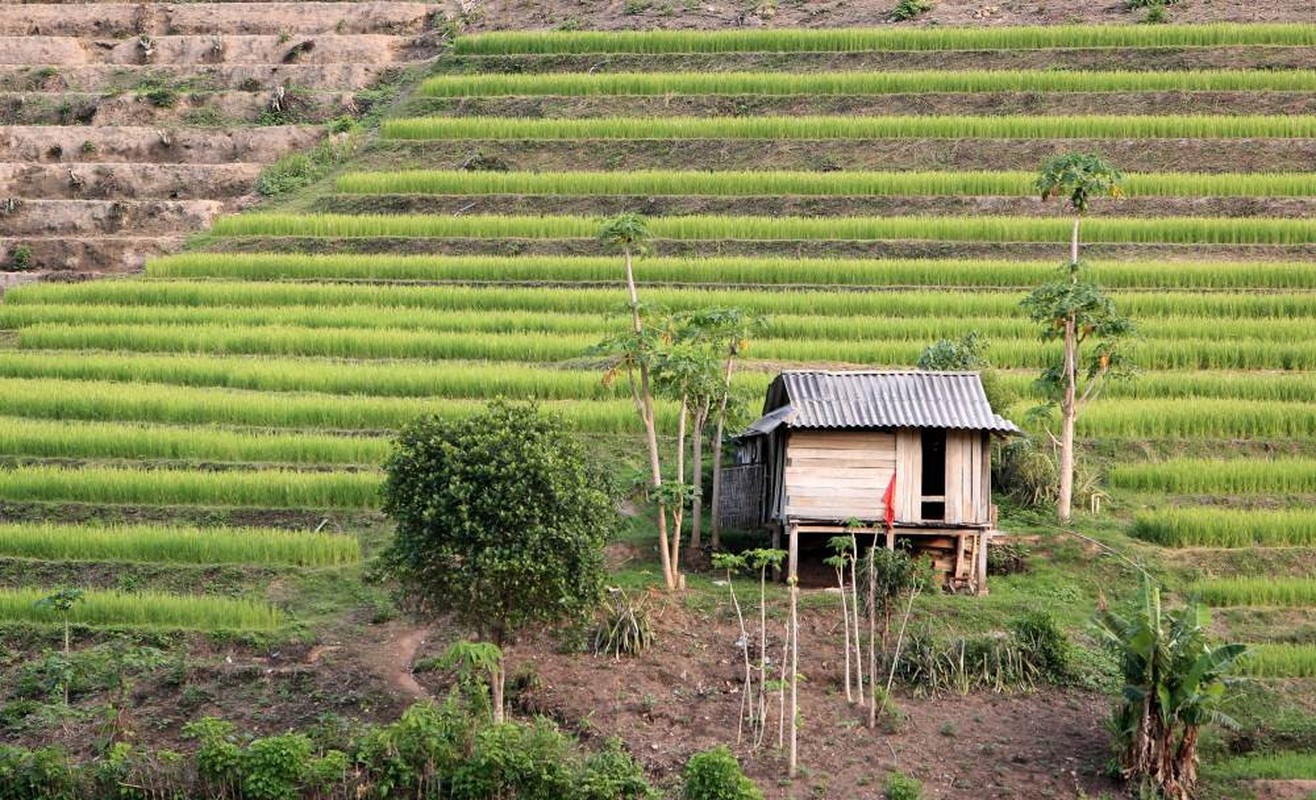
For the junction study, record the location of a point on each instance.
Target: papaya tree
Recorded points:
(636, 352)
(1076, 310)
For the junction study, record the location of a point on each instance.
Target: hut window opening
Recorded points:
(933, 499)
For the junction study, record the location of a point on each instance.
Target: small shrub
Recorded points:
(716, 775)
(20, 260)
(611, 774)
(274, 767)
(906, 10)
(1043, 644)
(1007, 558)
(900, 786)
(513, 760)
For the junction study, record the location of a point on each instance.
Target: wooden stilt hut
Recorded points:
(905, 454)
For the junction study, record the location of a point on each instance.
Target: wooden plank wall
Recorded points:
(909, 475)
(838, 474)
(968, 496)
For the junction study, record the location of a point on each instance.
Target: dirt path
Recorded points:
(398, 655)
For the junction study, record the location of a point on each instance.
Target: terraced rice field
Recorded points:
(288, 343)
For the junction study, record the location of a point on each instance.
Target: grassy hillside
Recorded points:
(867, 211)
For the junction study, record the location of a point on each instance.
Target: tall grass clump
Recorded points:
(1209, 527)
(177, 545)
(862, 83)
(863, 39)
(253, 489)
(1269, 591)
(1280, 661)
(852, 127)
(1213, 476)
(734, 183)
(1167, 230)
(151, 610)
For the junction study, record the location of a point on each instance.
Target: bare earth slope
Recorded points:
(126, 127)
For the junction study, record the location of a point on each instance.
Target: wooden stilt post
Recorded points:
(793, 556)
(981, 571)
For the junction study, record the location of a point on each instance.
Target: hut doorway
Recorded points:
(933, 495)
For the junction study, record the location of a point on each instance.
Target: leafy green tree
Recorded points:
(501, 523)
(634, 354)
(1174, 683)
(968, 354)
(728, 329)
(1076, 310)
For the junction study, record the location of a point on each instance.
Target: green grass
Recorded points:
(861, 39)
(37, 438)
(1167, 230)
(177, 545)
(812, 184)
(855, 127)
(253, 489)
(493, 319)
(1280, 661)
(1210, 527)
(1275, 766)
(152, 610)
(1203, 418)
(52, 399)
(1208, 476)
(862, 83)
(454, 379)
(1267, 591)
(711, 272)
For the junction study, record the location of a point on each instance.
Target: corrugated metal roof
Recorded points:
(881, 399)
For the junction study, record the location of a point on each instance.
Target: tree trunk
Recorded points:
(854, 604)
(1068, 413)
(1073, 245)
(697, 467)
(650, 431)
(845, 625)
(496, 687)
(678, 512)
(715, 535)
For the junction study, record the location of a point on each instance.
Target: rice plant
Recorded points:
(149, 610)
(1215, 476)
(853, 127)
(36, 438)
(1280, 661)
(863, 39)
(1268, 591)
(717, 272)
(255, 489)
(177, 545)
(1168, 230)
(184, 405)
(449, 379)
(1202, 418)
(1210, 527)
(863, 83)
(815, 184)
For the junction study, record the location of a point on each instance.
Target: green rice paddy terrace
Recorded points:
(868, 191)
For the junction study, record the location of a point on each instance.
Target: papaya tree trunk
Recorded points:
(1068, 413)
(715, 534)
(650, 432)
